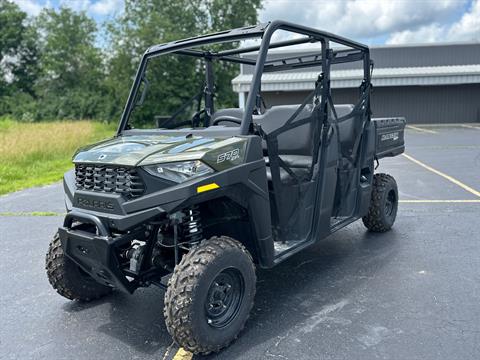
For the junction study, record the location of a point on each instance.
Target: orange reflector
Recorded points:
(207, 187)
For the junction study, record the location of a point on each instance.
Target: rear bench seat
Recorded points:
(294, 145)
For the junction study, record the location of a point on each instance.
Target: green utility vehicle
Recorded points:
(193, 201)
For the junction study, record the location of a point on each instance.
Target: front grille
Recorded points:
(109, 179)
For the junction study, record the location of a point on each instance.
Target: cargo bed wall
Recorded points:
(390, 139)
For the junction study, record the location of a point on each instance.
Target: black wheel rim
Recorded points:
(390, 203)
(224, 298)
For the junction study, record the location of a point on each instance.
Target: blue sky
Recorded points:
(369, 21)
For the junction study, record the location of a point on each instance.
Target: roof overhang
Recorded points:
(408, 76)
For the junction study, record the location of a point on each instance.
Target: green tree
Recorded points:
(72, 74)
(52, 68)
(18, 58)
(225, 14)
(25, 70)
(11, 24)
(149, 22)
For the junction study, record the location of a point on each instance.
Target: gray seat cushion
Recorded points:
(285, 176)
(294, 145)
(343, 109)
(295, 161)
(347, 127)
(234, 112)
(296, 141)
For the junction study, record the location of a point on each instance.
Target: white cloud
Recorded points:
(106, 7)
(31, 7)
(76, 5)
(363, 19)
(397, 21)
(100, 7)
(467, 28)
(424, 34)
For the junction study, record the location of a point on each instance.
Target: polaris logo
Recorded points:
(390, 136)
(229, 155)
(96, 204)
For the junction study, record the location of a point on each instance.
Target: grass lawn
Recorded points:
(33, 154)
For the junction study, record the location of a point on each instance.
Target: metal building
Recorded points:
(429, 83)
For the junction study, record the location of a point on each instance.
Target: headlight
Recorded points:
(179, 171)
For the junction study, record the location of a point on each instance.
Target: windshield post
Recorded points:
(132, 95)
(209, 90)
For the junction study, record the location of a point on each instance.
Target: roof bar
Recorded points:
(299, 58)
(272, 46)
(236, 59)
(348, 58)
(298, 65)
(203, 54)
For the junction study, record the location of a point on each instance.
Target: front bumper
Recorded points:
(245, 184)
(96, 253)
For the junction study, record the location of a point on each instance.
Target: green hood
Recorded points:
(135, 150)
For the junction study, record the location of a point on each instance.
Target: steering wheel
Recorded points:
(227, 118)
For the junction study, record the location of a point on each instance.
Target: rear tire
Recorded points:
(210, 295)
(68, 279)
(383, 204)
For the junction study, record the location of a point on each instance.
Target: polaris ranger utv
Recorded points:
(194, 200)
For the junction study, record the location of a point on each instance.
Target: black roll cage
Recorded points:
(354, 52)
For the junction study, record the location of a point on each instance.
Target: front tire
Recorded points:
(210, 295)
(383, 204)
(68, 279)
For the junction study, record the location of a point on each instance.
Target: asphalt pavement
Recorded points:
(411, 293)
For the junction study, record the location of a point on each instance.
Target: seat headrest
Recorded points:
(278, 115)
(343, 109)
(235, 112)
(296, 140)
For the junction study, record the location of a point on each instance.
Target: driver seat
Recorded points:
(235, 112)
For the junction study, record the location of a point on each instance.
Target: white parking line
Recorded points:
(421, 130)
(428, 201)
(445, 176)
(470, 126)
(183, 354)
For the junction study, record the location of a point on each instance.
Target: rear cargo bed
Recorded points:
(390, 140)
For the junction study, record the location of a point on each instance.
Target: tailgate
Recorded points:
(390, 139)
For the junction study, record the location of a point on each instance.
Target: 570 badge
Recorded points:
(229, 155)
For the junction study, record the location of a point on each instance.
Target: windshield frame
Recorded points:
(261, 31)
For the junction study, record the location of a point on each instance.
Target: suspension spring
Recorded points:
(192, 226)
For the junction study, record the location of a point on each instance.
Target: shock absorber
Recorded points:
(187, 229)
(192, 226)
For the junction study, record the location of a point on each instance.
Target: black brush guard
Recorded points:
(95, 253)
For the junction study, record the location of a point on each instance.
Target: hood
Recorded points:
(133, 150)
